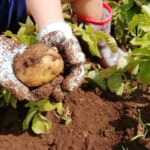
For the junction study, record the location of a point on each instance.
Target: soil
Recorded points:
(100, 121)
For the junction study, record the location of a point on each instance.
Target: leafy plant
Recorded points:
(27, 33)
(65, 117)
(145, 128)
(81, 99)
(142, 50)
(124, 148)
(67, 11)
(6, 98)
(39, 123)
(94, 77)
(93, 38)
(137, 61)
(129, 89)
(123, 12)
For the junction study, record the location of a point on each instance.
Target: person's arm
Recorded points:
(45, 12)
(88, 8)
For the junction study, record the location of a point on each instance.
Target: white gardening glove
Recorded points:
(59, 34)
(108, 57)
(8, 49)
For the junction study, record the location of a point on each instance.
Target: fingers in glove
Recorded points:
(74, 79)
(68, 46)
(8, 49)
(59, 34)
(58, 93)
(20, 92)
(43, 92)
(9, 44)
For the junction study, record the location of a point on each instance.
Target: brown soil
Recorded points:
(101, 121)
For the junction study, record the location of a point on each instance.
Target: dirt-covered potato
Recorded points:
(38, 65)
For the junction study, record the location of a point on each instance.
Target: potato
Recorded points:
(38, 65)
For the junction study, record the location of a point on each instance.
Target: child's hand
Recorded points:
(8, 49)
(59, 34)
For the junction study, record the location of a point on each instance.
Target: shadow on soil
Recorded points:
(11, 119)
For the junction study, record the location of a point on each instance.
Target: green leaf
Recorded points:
(27, 39)
(40, 124)
(127, 4)
(77, 30)
(127, 61)
(7, 97)
(95, 77)
(25, 29)
(119, 33)
(140, 20)
(45, 105)
(13, 102)
(87, 68)
(27, 33)
(66, 16)
(67, 10)
(31, 113)
(68, 121)
(4, 91)
(120, 90)
(145, 26)
(144, 73)
(10, 34)
(92, 43)
(146, 10)
(115, 84)
(29, 21)
(141, 51)
(88, 36)
(123, 61)
(137, 19)
(147, 124)
(143, 41)
(2, 104)
(108, 39)
(106, 73)
(81, 99)
(59, 107)
(93, 38)
(137, 137)
(134, 68)
(31, 104)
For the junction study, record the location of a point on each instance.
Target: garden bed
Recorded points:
(101, 121)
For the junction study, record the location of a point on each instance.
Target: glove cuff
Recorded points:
(59, 26)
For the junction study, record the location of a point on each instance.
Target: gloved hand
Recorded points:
(108, 57)
(59, 34)
(8, 49)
